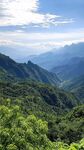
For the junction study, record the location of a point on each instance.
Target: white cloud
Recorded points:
(25, 12)
(33, 43)
(6, 42)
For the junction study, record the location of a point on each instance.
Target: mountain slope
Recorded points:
(39, 96)
(29, 71)
(76, 86)
(73, 69)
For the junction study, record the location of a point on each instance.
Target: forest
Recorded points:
(30, 120)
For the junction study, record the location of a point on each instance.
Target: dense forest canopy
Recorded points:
(31, 120)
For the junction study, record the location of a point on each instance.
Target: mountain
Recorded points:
(35, 115)
(27, 71)
(76, 86)
(73, 69)
(58, 57)
(74, 83)
(41, 97)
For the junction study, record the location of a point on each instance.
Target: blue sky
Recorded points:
(36, 26)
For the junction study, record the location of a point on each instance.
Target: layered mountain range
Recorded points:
(68, 64)
(59, 57)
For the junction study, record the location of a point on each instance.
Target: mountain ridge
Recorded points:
(60, 56)
(29, 70)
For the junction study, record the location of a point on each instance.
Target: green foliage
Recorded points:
(37, 95)
(47, 103)
(20, 132)
(69, 128)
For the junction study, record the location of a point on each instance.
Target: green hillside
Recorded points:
(26, 71)
(40, 94)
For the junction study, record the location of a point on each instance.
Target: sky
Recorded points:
(30, 27)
